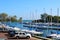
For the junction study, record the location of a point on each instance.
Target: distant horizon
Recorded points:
(29, 9)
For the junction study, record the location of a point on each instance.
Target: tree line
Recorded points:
(5, 18)
(48, 18)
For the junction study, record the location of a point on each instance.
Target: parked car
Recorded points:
(22, 35)
(11, 33)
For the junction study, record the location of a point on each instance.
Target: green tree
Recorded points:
(49, 18)
(14, 18)
(20, 20)
(56, 18)
(3, 16)
(44, 16)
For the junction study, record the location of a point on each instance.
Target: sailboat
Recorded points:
(58, 35)
(54, 35)
(36, 29)
(32, 31)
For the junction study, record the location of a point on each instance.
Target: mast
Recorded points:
(57, 18)
(45, 16)
(51, 20)
(30, 19)
(57, 15)
(36, 19)
(31, 15)
(45, 20)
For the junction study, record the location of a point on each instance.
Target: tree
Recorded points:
(20, 20)
(14, 18)
(3, 16)
(49, 18)
(43, 16)
(56, 18)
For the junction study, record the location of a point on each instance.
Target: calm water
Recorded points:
(45, 32)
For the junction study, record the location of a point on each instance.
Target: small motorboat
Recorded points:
(55, 36)
(16, 28)
(52, 36)
(58, 37)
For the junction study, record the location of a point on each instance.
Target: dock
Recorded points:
(41, 27)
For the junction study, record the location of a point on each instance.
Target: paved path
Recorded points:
(4, 35)
(32, 38)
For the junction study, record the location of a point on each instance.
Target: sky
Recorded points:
(29, 9)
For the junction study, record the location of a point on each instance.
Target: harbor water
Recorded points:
(45, 31)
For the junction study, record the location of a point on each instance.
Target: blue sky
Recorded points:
(28, 9)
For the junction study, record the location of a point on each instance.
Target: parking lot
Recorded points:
(5, 36)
